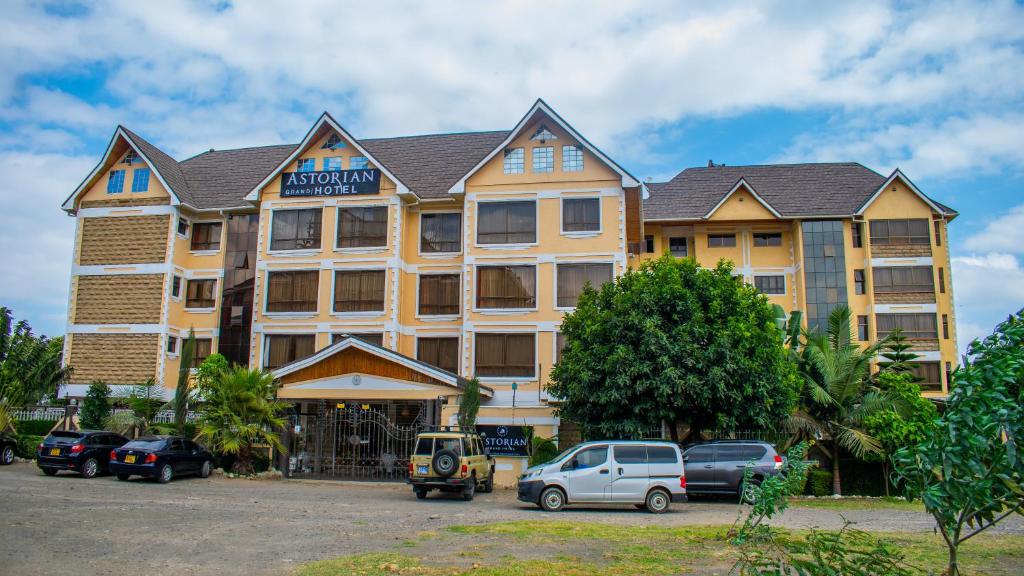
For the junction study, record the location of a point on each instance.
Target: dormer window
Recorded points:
(306, 165)
(358, 163)
(131, 157)
(515, 161)
(333, 143)
(543, 135)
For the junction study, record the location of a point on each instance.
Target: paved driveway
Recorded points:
(69, 525)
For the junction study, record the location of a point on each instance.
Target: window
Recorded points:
(515, 161)
(544, 159)
(507, 222)
(938, 232)
(172, 345)
(942, 281)
(903, 279)
(206, 236)
(899, 232)
(358, 163)
(559, 346)
(770, 284)
(284, 348)
(859, 282)
(581, 214)
(506, 286)
(296, 229)
(359, 290)
(140, 180)
(857, 229)
(183, 227)
(115, 182)
(649, 244)
(630, 454)
(333, 143)
(572, 158)
(765, 239)
(306, 165)
(332, 164)
(292, 291)
(200, 294)
(440, 352)
(721, 240)
(929, 375)
(440, 233)
(739, 453)
(862, 328)
(945, 327)
(700, 454)
(176, 287)
(363, 227)
(204, 347)
(949, 374)
(505, 355)
(375, 338)
(661, 455)
(439, 294)
(573, 277)
(915, 326)
(543, 134)
(130, 158)
(678, 246)
(591, 457)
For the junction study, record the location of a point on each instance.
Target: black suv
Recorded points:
(86, 452)
(717, 467)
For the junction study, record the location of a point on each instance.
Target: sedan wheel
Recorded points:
(8, 455)
(166, 473)
(90, 468)
(204, 472)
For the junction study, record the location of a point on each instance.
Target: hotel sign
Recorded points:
(506, 440)
(330, 183)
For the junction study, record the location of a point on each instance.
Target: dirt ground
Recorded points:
(69, 525)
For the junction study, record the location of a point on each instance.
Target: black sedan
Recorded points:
(160, 457)
(8, 448)
(86, 452)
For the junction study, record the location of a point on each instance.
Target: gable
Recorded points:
(94, 189)
(741, 204)
(355, 361)
(896, 198)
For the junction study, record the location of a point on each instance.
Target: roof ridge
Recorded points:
(214, 150)
(463, 133)
(779, 164)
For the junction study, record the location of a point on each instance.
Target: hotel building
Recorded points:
(378, 274)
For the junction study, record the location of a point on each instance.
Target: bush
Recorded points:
(543, 450)
(35, 427)
(861, 478)
(820, 482)
(27, 444)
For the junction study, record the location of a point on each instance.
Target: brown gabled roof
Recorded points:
(167, 167)
(793, 190)
(221, 178)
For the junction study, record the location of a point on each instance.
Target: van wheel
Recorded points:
(749, 491)
(552, 499)
(657, 502)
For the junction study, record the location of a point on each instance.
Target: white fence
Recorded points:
(54, 413)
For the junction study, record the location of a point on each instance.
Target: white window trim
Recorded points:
(437, 317)
(535, 377)
(554, 346)
(266, 342)
(580, 233)
(148, 178)
(416, 346)
(785, 282)
(341, 162)
(533, 166)
(583, 158)
(782, 238)
(177, 346)
(507, 311)
(361, 314)
(507, 173)
(216, 297)
(358, 249)
(121, 191)
(554, 281)
(188, 227)
(223, 230)
(440, 255)
(297, 251)
(513, 245)
(266, 295)
(181, 286)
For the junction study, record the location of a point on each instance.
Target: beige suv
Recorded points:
(450, 460)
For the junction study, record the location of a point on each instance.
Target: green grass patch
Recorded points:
(841, 504)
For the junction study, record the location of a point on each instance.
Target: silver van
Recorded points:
(646, 474)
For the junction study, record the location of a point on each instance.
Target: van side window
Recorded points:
(423, 447)
(701, 454)
(661, 455)
(631, 454)
(592, 457)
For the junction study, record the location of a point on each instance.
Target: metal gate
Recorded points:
(353, 443)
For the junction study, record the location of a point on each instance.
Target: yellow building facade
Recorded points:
(375, 276)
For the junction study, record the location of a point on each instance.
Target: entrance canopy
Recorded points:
(353, 369)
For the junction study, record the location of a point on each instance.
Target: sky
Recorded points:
(934, 88)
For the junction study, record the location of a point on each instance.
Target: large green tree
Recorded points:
(676, 343)
(30, 365)
(969, 472)
(896, 429)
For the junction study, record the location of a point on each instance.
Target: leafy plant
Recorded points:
(838, 394)
(820, 483)
(182, 389)
(27, 444)
(240, 411)
(208, 372)
(469, 405)
(898, 355)
(542, 450)
(30, 366)
(968, 472)
(96, 406)
(898, 429)
(675, 343)
(144, 400)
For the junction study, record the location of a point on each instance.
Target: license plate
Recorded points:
(129, 459)
(54, 451)
(422, 470)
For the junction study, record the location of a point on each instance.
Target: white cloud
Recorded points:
(1005, 233)
(987, 288)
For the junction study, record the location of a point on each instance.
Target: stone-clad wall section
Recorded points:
(121, 299)
(124, 240)
(114, 358)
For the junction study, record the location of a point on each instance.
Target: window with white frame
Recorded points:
(506, 222)
(332, 164)
(505, 355)
(140, 180)
(333, 143)
(544, 159)
(572, 278)
(201, 293)
(183, 226)
(306, 165)
(115, 182)
(581, 214)
(515, 161)
(130, 157)
(296, 229)
(172, 345)
(440, 232)
(358, 163)
(572, 158)
(543, 134)
(176, 287)
(775, 284)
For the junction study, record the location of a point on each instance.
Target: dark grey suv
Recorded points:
(717, 467)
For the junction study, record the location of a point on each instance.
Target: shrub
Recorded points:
(27, 444)
(35, 427)
(820, 482)
(96, 406)
(543, 450)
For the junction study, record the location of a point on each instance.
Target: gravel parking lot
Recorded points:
(69, 525)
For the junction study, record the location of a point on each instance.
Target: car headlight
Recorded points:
(531, 474)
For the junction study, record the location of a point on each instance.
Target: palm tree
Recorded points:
(838, 393)
(30, 366)
(239, 411)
